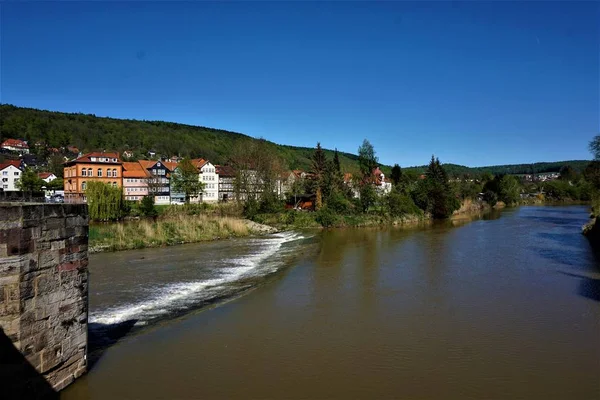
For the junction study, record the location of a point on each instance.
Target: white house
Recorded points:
(10, 173)
(17, 145)
(207, 175)
(47, 176)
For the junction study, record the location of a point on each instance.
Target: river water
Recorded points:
(497, 308)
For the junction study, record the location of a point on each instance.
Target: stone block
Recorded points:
(50, 358)
(54, 211)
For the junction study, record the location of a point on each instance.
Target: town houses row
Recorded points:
(153, 178)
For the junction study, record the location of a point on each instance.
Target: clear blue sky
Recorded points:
(476, 83)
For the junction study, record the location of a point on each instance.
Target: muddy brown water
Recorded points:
(500, 308)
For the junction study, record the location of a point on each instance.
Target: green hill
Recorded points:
(88, 132)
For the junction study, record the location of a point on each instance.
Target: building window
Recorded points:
(108, 172)
(83, 185)
(4, 173)
(100, 172)
(114, 184)
(115, 172)
(17, 173)
(84, 172)
(90, 173)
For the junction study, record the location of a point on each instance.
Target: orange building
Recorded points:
(91, 167)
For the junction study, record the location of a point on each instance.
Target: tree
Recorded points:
(105, 202)
(396, 174)
(30, 181)
(319, 169)
(434, 194)
(147, 206)
(594, 147)
(367, 160)
(509, 189)
(368, 196)
(567, 173)
(185, 179)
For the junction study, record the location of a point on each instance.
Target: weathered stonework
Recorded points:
(44, 286)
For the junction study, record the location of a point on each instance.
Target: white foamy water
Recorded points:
(182, 295)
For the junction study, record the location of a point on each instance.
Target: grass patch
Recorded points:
(165, 231)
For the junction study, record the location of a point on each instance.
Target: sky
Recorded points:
(475, 83)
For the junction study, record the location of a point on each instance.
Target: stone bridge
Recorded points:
(43, 297)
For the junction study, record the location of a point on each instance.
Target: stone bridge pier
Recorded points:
(43, 296)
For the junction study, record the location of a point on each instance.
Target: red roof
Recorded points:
(97, 154)
(15, 143)
(225, 170)
(134, 170)
(45, 175)
(198, 162)
(170, 165)
(14, 163)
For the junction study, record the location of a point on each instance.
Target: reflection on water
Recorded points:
(493, 309)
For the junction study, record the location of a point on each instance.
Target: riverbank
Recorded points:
(170, 230)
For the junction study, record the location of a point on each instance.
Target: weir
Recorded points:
(43, 297)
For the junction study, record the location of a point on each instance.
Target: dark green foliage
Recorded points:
(480, 173)
(399, 204)
(146, 207)
(468, 190)
(562, 190)
(490, 197)
(367, 160)
(326, 217)
(339, 203)
(592, 174)
(509, 190)
(90, 133)
(29, 181)
(368, 197)
(396, 174)
(567, 173)
(434, 194)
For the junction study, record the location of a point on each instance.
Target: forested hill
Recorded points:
(88, 132)
(513, 169)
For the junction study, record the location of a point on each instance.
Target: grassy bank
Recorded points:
(164, 231)
(291, 219)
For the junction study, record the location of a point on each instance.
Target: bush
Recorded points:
(401, 204)
(490, 197)
(338, 203)
(326, 217)
(146, 207)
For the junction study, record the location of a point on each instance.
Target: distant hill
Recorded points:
(88, 132)
(515, 169)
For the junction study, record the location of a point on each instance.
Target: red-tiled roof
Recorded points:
(147, 163)
(347, 177)
(45, 175)
(97, 154)
(170, 165)
(198, 162)
(73, 149)
(14, 163)
(225, 170)
(15, 143)
(134, 170)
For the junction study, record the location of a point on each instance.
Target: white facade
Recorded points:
(208, 175)
(49, 178)
(9, 175)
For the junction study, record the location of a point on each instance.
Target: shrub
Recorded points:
(326, 217)
(399, 204)
(490, 197)
(146, 207)
(338, 203)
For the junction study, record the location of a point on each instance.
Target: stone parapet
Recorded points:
(44, 286)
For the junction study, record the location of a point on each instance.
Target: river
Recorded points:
(497, 308)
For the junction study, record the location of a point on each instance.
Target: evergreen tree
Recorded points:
(367, 159)
(434, 194)
(396, 174)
